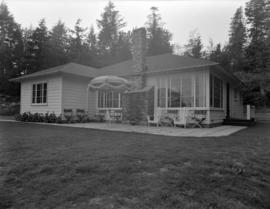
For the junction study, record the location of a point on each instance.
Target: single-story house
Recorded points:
(179, 82)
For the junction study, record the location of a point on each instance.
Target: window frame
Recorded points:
(212, 92)
(34, 93)
(164, 84)
(103, 99)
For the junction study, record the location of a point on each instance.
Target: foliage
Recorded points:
(39, 117)
(77, 47)
(11, 50)
(110, 24)
(194, 46)
(221, 56)
(9, 108)
(237, 41)
(36, 56)
(58, 44)
(52, 118)
(136, 106)
(27, 50)
(158, 37)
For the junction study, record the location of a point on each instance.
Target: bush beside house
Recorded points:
(52, 118)
(9, 105)
(137, 105)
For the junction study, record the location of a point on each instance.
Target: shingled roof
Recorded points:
(159, 63)
(70, 68)
(155, 64)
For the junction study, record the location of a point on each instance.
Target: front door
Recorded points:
(228, 101)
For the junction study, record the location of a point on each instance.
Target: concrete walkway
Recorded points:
(166, 131)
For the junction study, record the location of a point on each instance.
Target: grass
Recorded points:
(56, 167)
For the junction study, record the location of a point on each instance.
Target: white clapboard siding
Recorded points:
(74, 93)
(237, 107)
(54, 85)
(92, 102)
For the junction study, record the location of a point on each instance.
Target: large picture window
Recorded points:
(39, 93)
(216, 92)
(109, 99)
(187, 91)
(162, 93)
(200, 90)
(182, 91)
(174, 93)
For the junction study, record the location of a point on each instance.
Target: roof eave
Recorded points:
(182, 69)
(230, 75)
(59, 72)
(25, 77)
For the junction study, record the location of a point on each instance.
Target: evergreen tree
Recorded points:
(110, 25)
(29, 59)
(221, 56)
(58, 45)
(37, 49)
(257, 16)
(11, 49)
(123, 51)
(158, 37)
(237, 40)
(194, 46)
(92, 42)
(258, 52)
(77, 42)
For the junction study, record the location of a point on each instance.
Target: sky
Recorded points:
(211, 18)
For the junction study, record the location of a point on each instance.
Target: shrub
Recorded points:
(9, 108)
(39, 117)
(51, 118)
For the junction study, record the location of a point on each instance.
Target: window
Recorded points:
(39, 93)
(182, 91)
(200, 89)
(187, 91)
(109, 99)
(216, 92)
(174, 92)
(162, 93)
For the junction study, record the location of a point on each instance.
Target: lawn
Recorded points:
(44, 166)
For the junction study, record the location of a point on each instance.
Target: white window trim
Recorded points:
(213, 90)
(104, 102)
(168, 80)
(39, 104)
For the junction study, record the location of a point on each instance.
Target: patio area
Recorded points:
(219, 131)
(165, 131)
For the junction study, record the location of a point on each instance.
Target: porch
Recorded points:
(185, 98)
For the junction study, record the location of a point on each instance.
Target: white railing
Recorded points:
(185, 114)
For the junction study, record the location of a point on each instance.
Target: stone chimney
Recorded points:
(138, 50)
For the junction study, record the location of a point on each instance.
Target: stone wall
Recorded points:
(138, 49)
